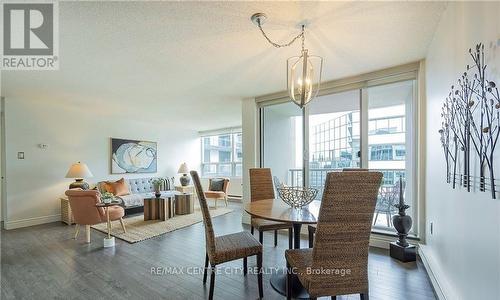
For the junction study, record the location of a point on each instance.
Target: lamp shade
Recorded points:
(79, 170)
(183, 169)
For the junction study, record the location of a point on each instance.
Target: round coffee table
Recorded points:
(277, 210)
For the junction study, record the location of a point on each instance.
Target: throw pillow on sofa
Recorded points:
(118, 188)
(217, 185)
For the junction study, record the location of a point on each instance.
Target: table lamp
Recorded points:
(184, 179)
(79, 171)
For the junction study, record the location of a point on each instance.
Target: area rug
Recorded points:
(139, 230)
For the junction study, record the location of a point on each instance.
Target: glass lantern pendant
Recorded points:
(303, 77)
(303, 72)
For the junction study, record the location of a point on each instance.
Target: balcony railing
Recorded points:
(317, 176)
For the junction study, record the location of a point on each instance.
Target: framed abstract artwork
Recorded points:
(132, 156)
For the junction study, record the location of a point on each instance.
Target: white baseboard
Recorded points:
(31, 221)
(434, 274)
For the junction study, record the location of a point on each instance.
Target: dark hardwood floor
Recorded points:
(45, 262)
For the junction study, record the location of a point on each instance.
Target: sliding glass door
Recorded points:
(334, 135)
(370, 127)
(390, 145)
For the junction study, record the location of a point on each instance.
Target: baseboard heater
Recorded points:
(235, 197)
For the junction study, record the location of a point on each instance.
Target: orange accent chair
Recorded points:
(85, 212)
(217, 195)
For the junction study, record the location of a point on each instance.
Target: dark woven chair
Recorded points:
(342, 238)
(261, 188)
(228, 247)
(312, 228)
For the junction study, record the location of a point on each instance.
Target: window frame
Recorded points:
(411, 71)
(232, 161)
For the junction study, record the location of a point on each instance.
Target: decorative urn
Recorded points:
(401, 249)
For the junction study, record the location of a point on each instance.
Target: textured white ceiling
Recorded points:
(197, 60)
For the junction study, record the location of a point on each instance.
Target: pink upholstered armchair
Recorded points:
(85, 212)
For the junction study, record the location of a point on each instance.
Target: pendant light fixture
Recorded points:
(303, 71)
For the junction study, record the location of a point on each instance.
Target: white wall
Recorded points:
(280, 139)
(464, 250)
(2, 164)
(77, 133)
(249, 122)
(235, 186)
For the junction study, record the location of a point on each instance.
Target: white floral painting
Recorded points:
(132, 156)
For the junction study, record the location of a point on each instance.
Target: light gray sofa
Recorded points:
(140, 188)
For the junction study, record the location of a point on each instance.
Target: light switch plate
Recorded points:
(20, 155)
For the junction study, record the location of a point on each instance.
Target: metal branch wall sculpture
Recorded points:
(471, 123)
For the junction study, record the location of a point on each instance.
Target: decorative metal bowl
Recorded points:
(296, 197)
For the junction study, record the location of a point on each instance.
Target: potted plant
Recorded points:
(107, 197)
(157, 182)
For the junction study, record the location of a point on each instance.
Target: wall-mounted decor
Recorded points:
(471, 127)
(131, 156)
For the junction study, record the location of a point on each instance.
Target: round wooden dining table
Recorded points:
(277, 210)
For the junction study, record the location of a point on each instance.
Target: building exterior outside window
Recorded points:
(222, 155)
(336, 146)
(333, 141)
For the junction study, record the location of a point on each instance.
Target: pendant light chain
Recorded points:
(303, 71)
(303, 37)
(300, 35)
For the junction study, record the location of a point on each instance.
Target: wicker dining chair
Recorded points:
(311, 229)
(338, 262)
(261, 188)
(228, 247)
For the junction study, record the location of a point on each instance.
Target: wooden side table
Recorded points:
(158, 209)
(188, 189)
(66, 214)
(184, 204)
